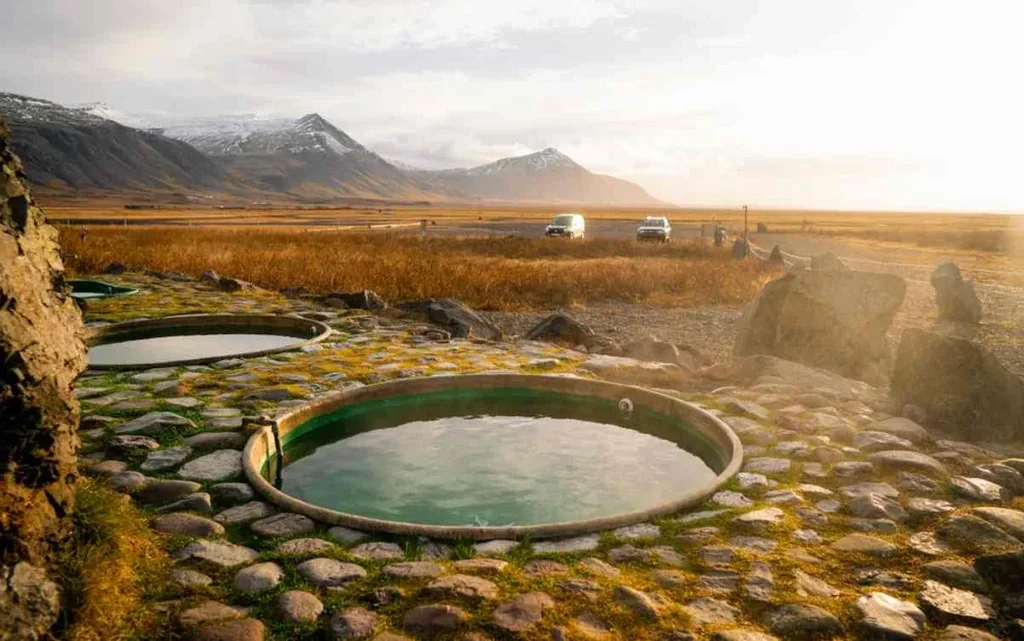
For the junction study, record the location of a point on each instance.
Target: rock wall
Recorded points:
(41, 354)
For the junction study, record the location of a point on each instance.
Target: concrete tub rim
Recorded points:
(128, 328)
(260, 444)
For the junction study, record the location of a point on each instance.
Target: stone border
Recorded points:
(261, 443)
(281, 325)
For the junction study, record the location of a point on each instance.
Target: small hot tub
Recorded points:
(93, 289)
(191, 340)
(492, 456)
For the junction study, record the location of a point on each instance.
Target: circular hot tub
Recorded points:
(197, 339)
(492, 456)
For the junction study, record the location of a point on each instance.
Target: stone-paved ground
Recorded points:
(845, 523)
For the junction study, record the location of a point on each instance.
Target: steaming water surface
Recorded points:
(167, 349)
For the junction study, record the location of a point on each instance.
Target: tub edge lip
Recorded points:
(323, 331)
(253, 459)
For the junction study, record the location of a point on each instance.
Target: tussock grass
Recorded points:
(109, 567)
(503, 273)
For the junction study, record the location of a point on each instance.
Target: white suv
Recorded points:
(654, 228)
(566, 226)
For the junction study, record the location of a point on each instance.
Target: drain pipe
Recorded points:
(275, 430)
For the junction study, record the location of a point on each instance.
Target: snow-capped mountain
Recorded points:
(234, 135)
(547, 175)
(67, 147)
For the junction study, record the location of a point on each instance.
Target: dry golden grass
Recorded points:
(113, 561)
(505, 273)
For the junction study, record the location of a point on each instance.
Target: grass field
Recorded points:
(488, 273)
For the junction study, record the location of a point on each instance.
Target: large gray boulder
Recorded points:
(826, 318)
(454, 317)
(962, 387)
(955, 296)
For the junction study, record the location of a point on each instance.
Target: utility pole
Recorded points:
(746, 239)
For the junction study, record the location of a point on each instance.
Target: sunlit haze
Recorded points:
(810, 103)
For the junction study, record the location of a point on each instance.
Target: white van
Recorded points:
(566, 226)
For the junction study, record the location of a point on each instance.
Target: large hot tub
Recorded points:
(492, 456)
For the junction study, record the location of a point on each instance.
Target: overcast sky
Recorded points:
(816, 103)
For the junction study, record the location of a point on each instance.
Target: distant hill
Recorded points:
(305, 157)
(547, 175)
(63, 147)
(84, 148)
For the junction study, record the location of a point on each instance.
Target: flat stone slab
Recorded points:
(584, 543)
(283, 525)
(707, 611)
(767, 465)
(944, 605)
(258, 578)
(353, 623)
(483, 566)
(323, 572)
(169, 458)
(299, 606)
(1010, 521)
(377, 551)
(187, 524)
(639, 603)
(976, 489)
(346, 536)
(801, 621)
(219, 553)
(882, 616)
(434, 619)
(909, 461)
(216, 441)
(242, 513)
(523, 612)
(162, 491)
(301, 547)
(414, 570)
(232, 493)
(638, 532)
(190, 578)
(760, 520)
(208, 611)
(865, 544)
(221, 465)
(973, 535)
(461, 586)
(901, 427)
(155, 422)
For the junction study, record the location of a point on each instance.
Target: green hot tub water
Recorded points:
(180, 347)
(492, 457)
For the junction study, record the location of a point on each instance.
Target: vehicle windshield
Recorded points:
(563, 219)
(653, 222)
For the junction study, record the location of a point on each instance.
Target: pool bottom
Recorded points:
(492, 458)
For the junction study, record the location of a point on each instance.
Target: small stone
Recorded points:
(956, 574)
(760, 520)
(807, 536)
(215, 441)
(1010, 521)
(208, 611)
(916, 483)
(872, 441)
(903, 428)
(353, 623)
(702, 515)
(801, 621)
(414, 570)
(908, 461)
(434, 618)
(728, 498)
(929, 544)
(976, 489)
(760, 582)
(482, 566)
(127, 445)
(299, 606)
(707, 611)
(187, 524)
(719, 580)
(960, 633)
(945, 605)
(347, 536)
(755, 543)
(920, 507)
(670, 579)
(885, 578)
(973, 535)
(584, 587)
(239, 630)
(852, 469)
(232, 493)
(594, 566)
(666, 555)
(241, 513)
(638, 532)
(522, 612)
(591, 627)
(767, 465)
(497, 547)
(584, 543)
(221, 465)
(258, 578)
(864, 544)
(742, 634)
(885, 617)
(127, 482)
(544, 567)
(748, 480)
(190, 578)
(463, 586)
(783, 497)
(324, 572)
(876, 506)
(881, 526)
(155, 422)
(1003, 571)
(858, 489)
(629, 554)
(377, 551)
(301, 547)
(807, 585)
(219, 553)
(283, 525)
(162, 491)
(639, 603)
